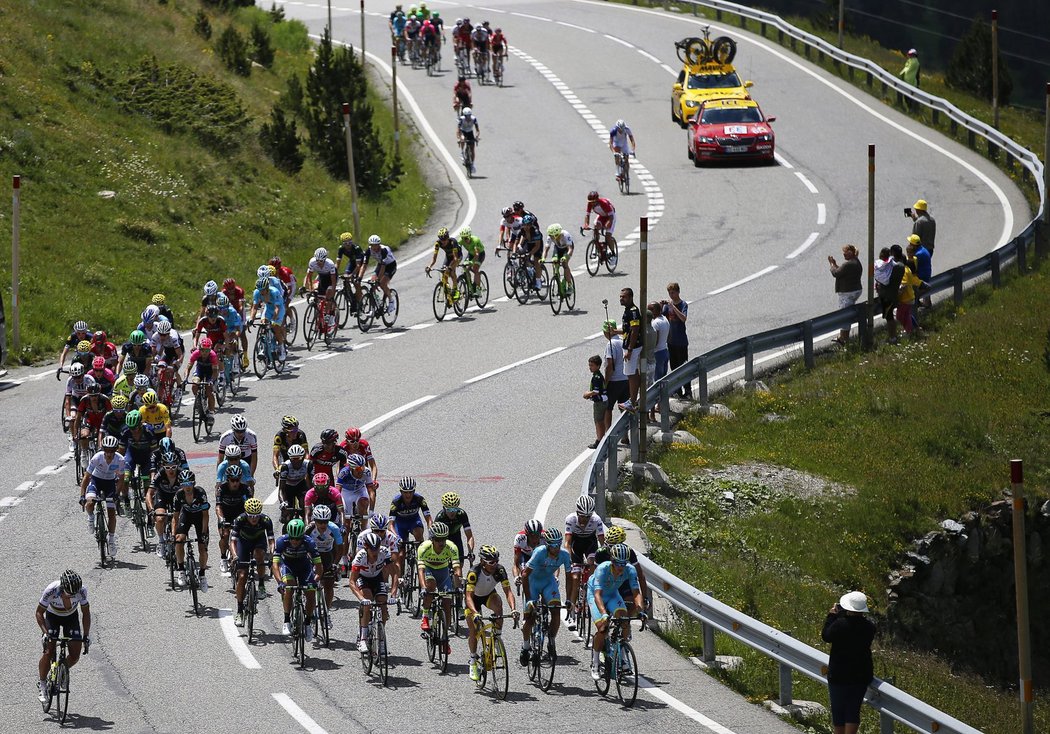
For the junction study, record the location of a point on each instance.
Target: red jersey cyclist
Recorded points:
(604, 214)
(205, 365)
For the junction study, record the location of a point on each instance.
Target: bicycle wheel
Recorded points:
(546, 672)
(101, 531)
(139, 514)
(62, 692)
(249, 605)
(323, 618)
(440, 305)
(198, 414)
(537, 640)
(602, 684)
(570, 292)
(368, 657)
(442, 640)
(481, 294)
(627, 179)
(193, 580)
(460, 306)
(432, 641)
(500, 669)
(485, 658)
(78, 462)
(390, 317)
(554, 293)
(170, 560)
(627, 675)
(523, 285)
(383, 659)
(310, 330)
(366, 310)
(584, 625)
(260, 355)
(220, 389)
(64, 417)
(723, 50)
(612, 255)
(591, 258)
(510, 279)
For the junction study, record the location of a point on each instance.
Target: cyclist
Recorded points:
(296, 562)
(357, 487)
(56, 615)
(244, 437)
(355, 259)
(499, 45)
(379, 525)
(619, 136)
(232, 458)
(284, 275)
(540, 581)
(212, 326)
(482, 581)
(328, 456)
(465, 30)
(80, 333)
(604, 214)
(102, 347)
(453, 254)
(509, 229)
(530, 246)
(102, 375)
(584, 532)
(211, 291)
(428, 32)
(78, 388)
(191, 510)
(272, 302)
(461, 93)
(289, 435)
(479, 39)
(467, 131)
(458, 523)
(320, 280)
(423, 13)
(164, 310)
(404, 516)
(168, 351)
(235, 293)
(603, 597)
(126, 381)
(155, 414)
(102, 482)
(250, 537)
(161, 497)
(205, 365)
(324, 493)
(525, 544)
(328, 537)
(150, 318)
(354, 444)
(234, 329)
(386, 266)
(370, 581)
(397, 28)
(561, 242)
(439, 570)
(164, 446)
(140, 385)
(137, 351)
(83, 354)
(475, 252)
(137, 443)
(293, 481)
(230, 496)
(615, 535)
(439, 23)
(412, 28)
(113, 421)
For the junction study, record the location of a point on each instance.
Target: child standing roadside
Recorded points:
(597, 395)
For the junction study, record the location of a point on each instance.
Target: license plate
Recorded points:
(736, 149)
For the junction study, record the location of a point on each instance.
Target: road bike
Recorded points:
(623, 175)
(265, 354)
(467, 156)
(291, 324)
(102, 528)
(56, 692)
(373, 306)
(493, 668)
(318, 324)
(322, 615)
(231, 372)
(432, 55)
(169, 389)
(400, 43)
(437, 636)
(497, 69)
(408, 597)
(251, 595)
(447, 294)
(192, 571)
(346, 298)
(138, 510)
(542, 660)
(297, 620)
(65, 406)
(525, 284)
(202, 422)
(510, 270)
(479, 293)
(463, 62)
(481, 66)
(601, 249)
(414, 54)
(617, 662)
(376, 657)
(561, 289)
(167, 542)
(694, 50)
(82, 456)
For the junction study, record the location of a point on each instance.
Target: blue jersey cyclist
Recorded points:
(297, 562)
(405, 516)
(541, 581)
(271, 299)
(603, 597)
(233, 455)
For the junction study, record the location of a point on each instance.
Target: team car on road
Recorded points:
(730, 129)
(707, 73)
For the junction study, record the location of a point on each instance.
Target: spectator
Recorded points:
(658, 351)
(847, 283)
(597, 395)
(923, 224)
(888, 276)
(850, 668)
(677, 312)
(906, 297)
(910, 72)
(616, 385)
(632, 345)
(923, 269)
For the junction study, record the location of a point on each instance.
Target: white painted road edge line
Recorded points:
(748, 279)
(804, 246)
(396, 411)
(681, 708)
(297, 713)
(234, 640)
(552, 489)
(806, 182)
(822, 213)
(519, 363)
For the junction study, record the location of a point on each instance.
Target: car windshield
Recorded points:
(731, 114)
(713, 81)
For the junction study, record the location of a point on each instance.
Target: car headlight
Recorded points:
(765, 138)
(691, 104)
(705, 139)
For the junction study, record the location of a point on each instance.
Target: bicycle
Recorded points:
(138, 510)
(526, 281)
(481, 66)
(231, 372)
(102, 528)
(463, 62)
(541, 663)
(467, 154)
(221, 383)
(57, 680)
(445, 293)
(601, 250)
(72, 401)
(322, 616)
(251, 596)
(437, 636)
(694, 50)
(510, 270)
(497, 69)
(297, 620)
(265, 353)
(493, 666)
(399, 42)
(202, 422)
(346, 298)
(291, 324)
(170, 561)
(581, 610)
(169, 389)
(561, 290)
(623, 176)
(408, 596)
(480, 293)
(82, 457)
(433, 59)
(373, 306)
(618, 660)
(377, 656)
(192, 573)
(317, 322)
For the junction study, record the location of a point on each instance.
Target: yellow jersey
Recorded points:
(155, 417)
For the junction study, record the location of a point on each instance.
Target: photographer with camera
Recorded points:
(850, 667)
(923, 224)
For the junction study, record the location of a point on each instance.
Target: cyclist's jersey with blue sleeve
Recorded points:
(620, 138)
(246, 472)
(326, 539)
(407, 513)
(277, 285)
(294, 557)
(270, 295)
(100, 468)
(543, 565)
(399, 24)
(603, 579)
(233, 318)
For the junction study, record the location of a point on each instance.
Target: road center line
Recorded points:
(748, 279)
(680, 707)
(573, 25)
(619, 40)
(804, 246)
(234, 640)
(396, 411)
(297, 713)
(531, 17)
(806, 182)
(822, 213)
(552, 489)
(648, 55)
(519, 363)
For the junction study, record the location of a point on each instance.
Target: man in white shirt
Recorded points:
(659, 356)
(615, 378)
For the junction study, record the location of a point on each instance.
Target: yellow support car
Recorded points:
(707, 73)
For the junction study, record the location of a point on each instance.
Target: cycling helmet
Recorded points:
(374, 240)
(211, 288)
(84, 346)
(239, 423)
(467, 112)
(141, 381)
(275, 261)
(450, 499)
(353, 435)
(149, 397)
(262, 283)
(615, 535)
(320, 254)
(435, 15)
(372, 541)
(137, 337)
(321, 480)
(462, 79)
(212, 312)
(222, 301)
(263, 271)
(164, 327)
(459, 21)
(119, 402)
(94, 389)
(109, 442)
(465, 232)
(158, 299)
(620, 125)
(552, 536)
(592, 196)
(507, 211)
(499, 30)
(98, 363)
(485, 23)
(407, 484)
(186, 478)
(519, 205)
(328, 435)
(322, 513)
(585, 505)
(233, 451)
(296, 451)
(166, 444)
(271, 270)
(80, 327)
(346, 237)
(129, 367)
(554, 230)
(233, 472)
(377, 521)
(70, 582)
(620, 554)
(356, 460)
(205, 343)
(253, 506)
(296, 528)
(170, 458)
(443, 233)
(150, 313)
(534, 527)
(289, 422)
(439, 531)
(528, 219)
(229, 283)
(489, 554)
(133, 419)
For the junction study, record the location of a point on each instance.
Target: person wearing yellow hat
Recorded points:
(923, 224)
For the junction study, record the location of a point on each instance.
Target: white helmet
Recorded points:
(374, 240)
(211, 288)
(467, 112)
(263, 271)
(620, 124)
(164, 327)
(76, 369)
(320, 254)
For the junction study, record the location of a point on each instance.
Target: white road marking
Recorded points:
(519, 363)
(504, 299)
(394, 335)
(323, 355)
(822, 213)
(423, 325)
(51, 470)
(250, 379)
(573, 25)
(487, 10)
(297, 713)
(362, 345)
(782, 160)
(806, 182)
(531, 17)
(271, 499)
(619, 40)
(804, 246)
(396, 411)
(593, 336)
(234, 640)
(26, 486)
(667, 698)
(648, 55)
(748, 279)
(10, 501)
(553, 487)
(669, 70)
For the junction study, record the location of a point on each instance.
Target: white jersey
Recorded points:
(99, 468)
(521, 543)
(564, 243)
(480, 34)
(78, 387)
(466, 124)
(249, 442)
(326, 540)
(620, 138)
(593, 526)
(326, 267)
(161, 343)
(390, 539)
(367, 568)
(51, 600)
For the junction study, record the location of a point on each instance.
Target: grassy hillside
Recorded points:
(195, 196)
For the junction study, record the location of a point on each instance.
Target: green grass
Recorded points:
(183, 213)
(922, 431)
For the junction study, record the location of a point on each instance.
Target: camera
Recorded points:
(907, 211)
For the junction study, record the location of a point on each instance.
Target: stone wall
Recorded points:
(954, 593)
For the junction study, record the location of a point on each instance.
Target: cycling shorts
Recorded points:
(351, 498)
(478, 257)
(102, 489)
(63, 626)
(142, 462)
(612, 603)
(375, 584)
(404, 528)
(468, 136)
(480, 602)
(560, 252)
(581, 547)
(162, 501)
(442, 577)
(231, 512)
(608, 222)
(275, 313)
(301, 574)
(390, 270)
(193, 520)
(246, 549)
(548, 589)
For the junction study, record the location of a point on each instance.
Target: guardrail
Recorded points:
(602, 474)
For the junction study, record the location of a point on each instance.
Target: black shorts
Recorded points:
(246, 549)
(581, 547)
(560, 252)
(231, 512)
(390, 270)
(63, 626)
(189, 520)
(617, 391)
(324, 282)
(162, 502)
(295, 492)
(480, 602)
(468, 136)
(478, 258)
(375, 584)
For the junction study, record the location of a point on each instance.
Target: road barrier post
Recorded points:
(868, 335)
(397, 123)
(350, 166)
(16, 252)
(362, 32)
(995, 69)
(842, 21)
(643, 361)
(329, 28)
(1024, 646)
(1045, 229)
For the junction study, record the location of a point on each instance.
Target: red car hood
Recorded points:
(733, 129)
